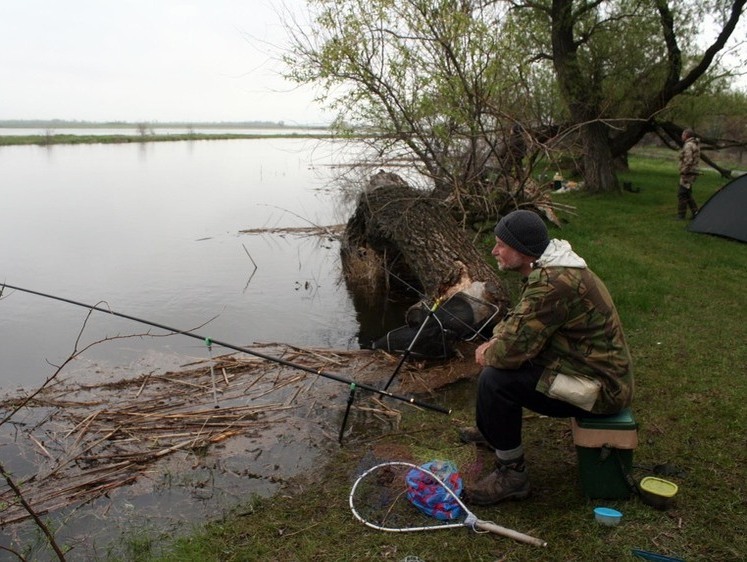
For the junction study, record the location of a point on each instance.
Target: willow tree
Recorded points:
(443, 81)
(619, 64)
(424, 79)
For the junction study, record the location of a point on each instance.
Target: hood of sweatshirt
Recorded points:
(560, 254)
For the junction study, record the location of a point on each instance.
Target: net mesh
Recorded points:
(401, 497)
(429, 496)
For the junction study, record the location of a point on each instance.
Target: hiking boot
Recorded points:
(506, 482)
(473, 435)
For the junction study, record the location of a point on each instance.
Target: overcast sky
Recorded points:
(147, 60)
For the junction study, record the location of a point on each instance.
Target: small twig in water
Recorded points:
(250, 257)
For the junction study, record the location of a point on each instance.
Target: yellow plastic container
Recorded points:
(657, 492)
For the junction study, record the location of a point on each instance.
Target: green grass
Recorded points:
(682, 299)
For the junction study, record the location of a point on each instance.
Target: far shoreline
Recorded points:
(55, 139)
(46, 132)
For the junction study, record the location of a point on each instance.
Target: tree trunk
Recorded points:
(599, 173)
(581, 93)
(402, 233)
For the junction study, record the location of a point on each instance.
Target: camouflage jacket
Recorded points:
(690, 158)
(566, 321)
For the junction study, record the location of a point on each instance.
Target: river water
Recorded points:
(154, 230)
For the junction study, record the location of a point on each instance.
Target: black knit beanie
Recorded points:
(524, 231)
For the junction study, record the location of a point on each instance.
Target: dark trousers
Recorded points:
(685, 199)
(501, 395)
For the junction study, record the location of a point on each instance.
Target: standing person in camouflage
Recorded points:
(560, 352)
(689, 160)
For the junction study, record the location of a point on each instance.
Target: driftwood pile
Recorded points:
(87, 440)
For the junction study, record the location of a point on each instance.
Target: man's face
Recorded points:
(508, 259)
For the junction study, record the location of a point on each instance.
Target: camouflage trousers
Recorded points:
(685, 200)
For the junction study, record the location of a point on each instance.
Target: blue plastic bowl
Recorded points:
(607, 516)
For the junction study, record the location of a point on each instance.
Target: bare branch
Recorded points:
(37, 520)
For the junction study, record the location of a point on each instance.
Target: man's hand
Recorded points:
(480, 352)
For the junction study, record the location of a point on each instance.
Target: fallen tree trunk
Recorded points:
(401, 236)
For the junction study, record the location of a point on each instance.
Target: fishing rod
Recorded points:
(210, 341)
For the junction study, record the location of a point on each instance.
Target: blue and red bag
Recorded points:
(429, 496)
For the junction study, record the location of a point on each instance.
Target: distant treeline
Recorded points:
(64, 124)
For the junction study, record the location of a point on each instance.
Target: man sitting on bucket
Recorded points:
(560, 352)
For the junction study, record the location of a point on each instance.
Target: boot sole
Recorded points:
(517, 496)
(479, 442)
(482, 444)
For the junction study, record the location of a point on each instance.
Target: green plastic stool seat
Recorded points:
(604, 447)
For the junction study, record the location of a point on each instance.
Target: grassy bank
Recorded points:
(681, 297)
